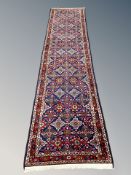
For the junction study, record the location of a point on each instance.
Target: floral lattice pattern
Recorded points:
(67, 125)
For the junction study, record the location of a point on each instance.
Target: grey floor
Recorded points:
(22, 30)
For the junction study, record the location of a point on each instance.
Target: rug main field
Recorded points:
(67, 126)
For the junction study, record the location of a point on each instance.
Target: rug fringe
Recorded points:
(68, 8)
(69, 166)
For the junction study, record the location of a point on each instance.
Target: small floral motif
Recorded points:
(77, 143)
(74, 107)
(59, 107)
(76, 123)
(58, 123)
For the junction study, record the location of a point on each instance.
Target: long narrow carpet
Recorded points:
(67, 127)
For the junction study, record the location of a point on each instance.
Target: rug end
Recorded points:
(68, 8)
(69, 166)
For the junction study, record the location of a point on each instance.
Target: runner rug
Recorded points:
(67, 128)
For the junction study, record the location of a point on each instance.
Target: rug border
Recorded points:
(36, 88)
(97, 91)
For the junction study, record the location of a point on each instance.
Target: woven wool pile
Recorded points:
(67, 126)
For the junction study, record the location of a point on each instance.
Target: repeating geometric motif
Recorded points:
(67, 94)
(67, 129)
